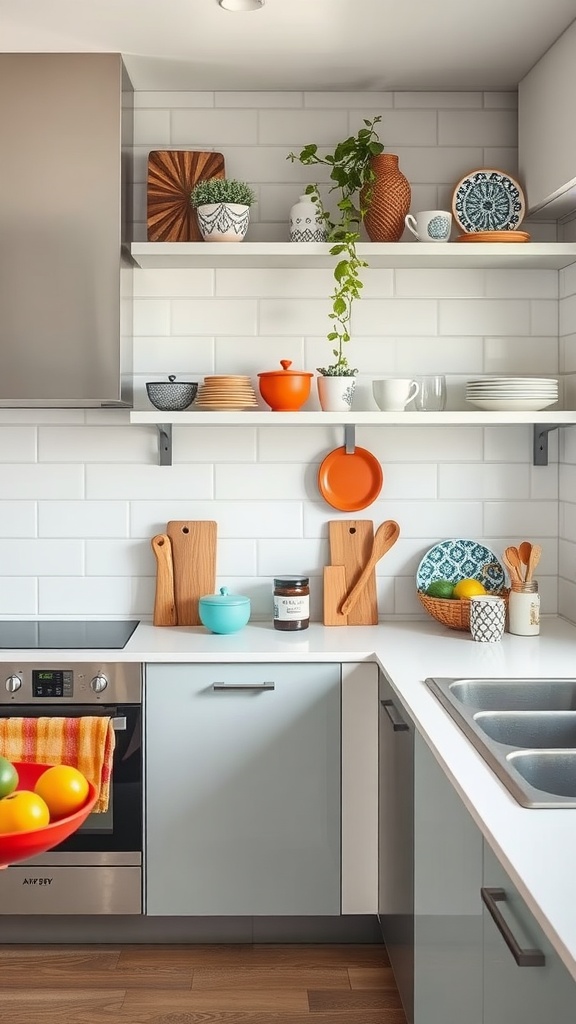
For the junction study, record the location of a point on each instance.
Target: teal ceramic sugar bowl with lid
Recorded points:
(224, 612)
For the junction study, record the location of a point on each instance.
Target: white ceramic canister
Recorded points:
(306, 224)
(524, 609)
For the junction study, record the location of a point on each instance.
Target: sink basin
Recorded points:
(541, 729)
(552, 771)
(516, 694)
(525, 729)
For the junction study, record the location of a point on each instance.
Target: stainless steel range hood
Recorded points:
(65, 292)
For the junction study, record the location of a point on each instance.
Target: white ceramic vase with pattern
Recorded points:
(223, 222)
(306, 224)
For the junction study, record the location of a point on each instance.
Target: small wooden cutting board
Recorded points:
(164, 602)
(351, 543)
(194, 556)
(172, 174)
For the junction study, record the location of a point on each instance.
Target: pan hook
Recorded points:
(350, 438)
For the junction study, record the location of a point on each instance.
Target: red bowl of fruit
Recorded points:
(59, 789)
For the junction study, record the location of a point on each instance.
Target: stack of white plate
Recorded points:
(515, 394)
(226, 392)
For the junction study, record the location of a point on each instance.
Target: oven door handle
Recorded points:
(119, 724)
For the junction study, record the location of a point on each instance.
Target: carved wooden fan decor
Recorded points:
(172, 174)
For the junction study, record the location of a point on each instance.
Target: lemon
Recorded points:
(441, 588)
(468, 588)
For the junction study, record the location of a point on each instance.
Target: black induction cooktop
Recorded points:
(72, 635)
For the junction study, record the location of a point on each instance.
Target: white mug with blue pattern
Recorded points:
(430, 225)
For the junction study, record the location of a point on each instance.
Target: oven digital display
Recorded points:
(52, 683)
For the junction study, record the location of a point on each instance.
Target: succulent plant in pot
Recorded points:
(352, 176)
(223, 208)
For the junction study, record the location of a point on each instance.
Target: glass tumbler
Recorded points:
(432, 394)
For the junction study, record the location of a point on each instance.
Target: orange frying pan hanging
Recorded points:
(350, 481)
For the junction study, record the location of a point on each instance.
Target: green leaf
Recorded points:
(341, 269)
(339, 306)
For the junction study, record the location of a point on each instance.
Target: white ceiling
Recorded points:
(322, 45)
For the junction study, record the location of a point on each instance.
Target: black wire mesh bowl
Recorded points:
(171, 395)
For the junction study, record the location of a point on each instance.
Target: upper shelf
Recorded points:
(409, 255)
(313, 418)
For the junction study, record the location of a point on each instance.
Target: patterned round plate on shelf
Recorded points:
(455, 560)
(488, 200)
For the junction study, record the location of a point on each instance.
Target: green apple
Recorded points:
(8, 777)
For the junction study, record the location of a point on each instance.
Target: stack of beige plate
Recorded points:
(226, 392)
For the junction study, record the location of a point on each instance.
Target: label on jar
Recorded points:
(290, 608)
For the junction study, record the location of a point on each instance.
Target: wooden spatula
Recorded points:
(386, 535)
(164, 601)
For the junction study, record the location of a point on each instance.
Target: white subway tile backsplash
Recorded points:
(236, 519)
(82, 519)
(399, 127)
(200, 443)
(521, 518)
(295, 557)
(477, 128)
(105, 596)
(157, 357)
(287, 316)
(484, 316)
(567, 281)
(152, 127)
(296, 128)
(151, 316)
(41, 557)
(258, 100)
(125, 482)
(567, 314)
(348, 100)
(95, 444)
(17, 443)
(507, 444)
(17, 518)
(209, 129)
(395, 316)
(544, 318)
(438, 100)
(439, 283)
(459, 482)
(259, 482)
(206, 316)
(522, 284)
(544, 480)
(18, 596)
(169, 100)
(161, 283)
(423, 165)
(237, 557)
(522, 356)
(43, 481)
(119, 558)
(274, 283)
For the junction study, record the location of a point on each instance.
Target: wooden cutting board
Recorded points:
(350, 545)
(194, 557)
(164, 601)
(334, 580)
(172, 174)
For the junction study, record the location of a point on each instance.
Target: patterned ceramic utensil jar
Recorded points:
(487, 618)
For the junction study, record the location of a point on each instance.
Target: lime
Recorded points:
(441, 588)
(468, 588)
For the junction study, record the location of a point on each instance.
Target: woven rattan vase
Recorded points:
(390, 200)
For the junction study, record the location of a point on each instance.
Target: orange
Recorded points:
(468, 588)
(63, 788)
(23, 811)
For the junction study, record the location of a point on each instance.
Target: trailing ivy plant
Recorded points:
(351, 171)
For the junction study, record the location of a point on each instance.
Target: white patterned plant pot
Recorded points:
(336, 393)
(223, 222)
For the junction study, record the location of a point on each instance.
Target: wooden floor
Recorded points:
(196, 984)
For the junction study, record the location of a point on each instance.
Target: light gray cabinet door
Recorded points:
(447, 903)
(530, 994)
(242, 789)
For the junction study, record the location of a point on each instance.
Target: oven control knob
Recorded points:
(99, 683)
(13, 683)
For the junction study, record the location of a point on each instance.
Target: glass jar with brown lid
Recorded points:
(291, 602)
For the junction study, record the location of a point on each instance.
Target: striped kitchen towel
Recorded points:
(86, 743)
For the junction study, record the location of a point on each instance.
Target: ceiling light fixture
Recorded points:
(241, 5)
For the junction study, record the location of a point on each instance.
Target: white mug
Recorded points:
(430, 225)
(393, 394)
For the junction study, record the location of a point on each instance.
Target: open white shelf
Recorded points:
(303, 419)
(401, 255)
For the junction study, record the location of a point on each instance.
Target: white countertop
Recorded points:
(536, 846)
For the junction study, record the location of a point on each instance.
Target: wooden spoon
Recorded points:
(386, 535)
(513, 563)
(524, 550)
(533, 560)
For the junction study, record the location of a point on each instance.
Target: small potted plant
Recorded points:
(352, 174)
(223, 208)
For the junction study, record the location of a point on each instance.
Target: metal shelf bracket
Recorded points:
(165, 443)
(540, 446)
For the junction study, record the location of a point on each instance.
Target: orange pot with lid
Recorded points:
(285, 390)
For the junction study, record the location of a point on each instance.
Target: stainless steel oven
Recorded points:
(98, 870)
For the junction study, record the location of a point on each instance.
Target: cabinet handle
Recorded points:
(523, 957)
(119, 724)
(258, 687)
(398, 723)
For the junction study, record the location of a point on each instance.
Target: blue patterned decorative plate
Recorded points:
(488, 200)
(455, 560)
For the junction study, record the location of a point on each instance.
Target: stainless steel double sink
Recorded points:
(525, 729)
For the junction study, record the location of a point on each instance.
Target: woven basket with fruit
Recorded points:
(451, 573)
